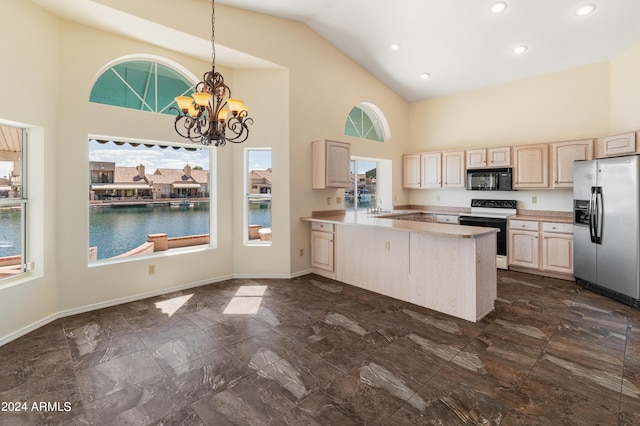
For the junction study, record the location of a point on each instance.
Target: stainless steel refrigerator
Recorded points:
(606, 230)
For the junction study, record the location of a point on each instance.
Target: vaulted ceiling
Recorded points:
(460, 44)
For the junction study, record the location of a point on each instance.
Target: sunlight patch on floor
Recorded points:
(171, 306)
(246, 301)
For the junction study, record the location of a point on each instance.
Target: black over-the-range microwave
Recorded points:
(489, 179)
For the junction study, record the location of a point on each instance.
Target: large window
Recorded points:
(258, 201)
(146, 198)
(13, 201)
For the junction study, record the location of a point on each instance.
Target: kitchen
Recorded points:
(533, 241)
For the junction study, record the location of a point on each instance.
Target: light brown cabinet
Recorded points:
(330, 164)
(477, 158)
(323, 249)
(524, 247)
(453, 171)
(488, 157)
(544, 248)
(411, 171)
(612, 146)
(531, 166)
(557, 247)
(431, 170)
(563, 154)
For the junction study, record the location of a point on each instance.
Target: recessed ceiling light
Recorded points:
(425, 76)
(395, 47)
(519, 50)
(585, 9)
(498, 7)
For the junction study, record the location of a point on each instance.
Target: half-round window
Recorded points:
(141, 85)
(366, 121)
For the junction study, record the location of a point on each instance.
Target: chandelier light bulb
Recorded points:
(498, 7)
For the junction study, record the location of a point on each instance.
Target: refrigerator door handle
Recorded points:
(599, 213)
(592, 215)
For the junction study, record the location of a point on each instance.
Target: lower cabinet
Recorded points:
(545, 248)
(375, 259)
(557, 248)
(323, 249)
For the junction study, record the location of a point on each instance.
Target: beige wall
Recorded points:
(585, 102)
(625, 91)
(308, 98)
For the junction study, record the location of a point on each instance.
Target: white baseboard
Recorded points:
(95, 306)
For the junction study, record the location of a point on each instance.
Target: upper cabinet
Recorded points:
(453, 169)
(431, 170)
(331, 164)
(531, 166)
(434, 170)
(612, 146)
(477, 158)
(563, 154)
(488, 157)
(411, 171)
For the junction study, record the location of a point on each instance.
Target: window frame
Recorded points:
(213, 219)
(23, 202)
(245, 201)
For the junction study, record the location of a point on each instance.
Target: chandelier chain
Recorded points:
(213, 35)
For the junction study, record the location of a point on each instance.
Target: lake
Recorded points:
(116, 230)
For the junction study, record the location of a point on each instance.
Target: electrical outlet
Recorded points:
(338, 200)
(301, 252)
(387, 245)
(437, 198)
(329, 200)
(534, 199)
(152, 269)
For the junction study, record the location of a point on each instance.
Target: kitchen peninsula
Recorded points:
(447, 268)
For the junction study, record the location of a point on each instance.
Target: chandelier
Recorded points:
(210, 115)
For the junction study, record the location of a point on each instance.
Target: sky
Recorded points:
(152, 158)
(157, 158)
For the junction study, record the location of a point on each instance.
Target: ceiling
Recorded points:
(459, 43)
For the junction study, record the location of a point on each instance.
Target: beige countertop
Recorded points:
(556, 218)
(364, 219)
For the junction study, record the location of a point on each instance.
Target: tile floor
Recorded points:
(311, 351)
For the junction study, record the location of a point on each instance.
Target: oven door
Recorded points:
(490, 222)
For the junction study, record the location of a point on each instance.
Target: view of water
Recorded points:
(116, 230)
(10, 239)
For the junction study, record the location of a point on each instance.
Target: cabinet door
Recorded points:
(431, 169)
(563, 154)
(523, 248)
(453, 169)
(476, 158)
(612, 146)
(531, 166)
(557, 252)
(411, 171)
(338, 162)
(499, 157)
(322, 250)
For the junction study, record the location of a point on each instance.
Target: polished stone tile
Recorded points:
(142, 403)
(184, 349)
(209, 374)
(446, 402)
(312, 351)
(112, 376)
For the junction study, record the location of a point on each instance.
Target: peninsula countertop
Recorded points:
(364, 219)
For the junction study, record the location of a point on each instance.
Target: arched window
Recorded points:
(140, 84)
(366, 121)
